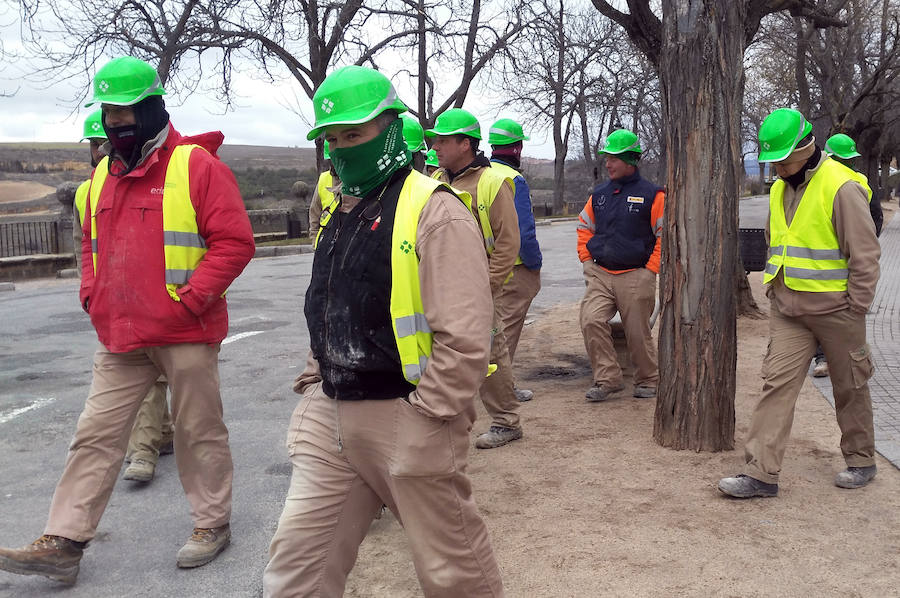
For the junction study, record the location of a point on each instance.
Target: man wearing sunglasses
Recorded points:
(821, 276)
(399, 316)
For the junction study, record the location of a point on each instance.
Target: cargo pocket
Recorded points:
(422, 445)
(293, 433)
(861, 366)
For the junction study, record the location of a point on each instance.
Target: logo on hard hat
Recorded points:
(104, 86)
(95, 126)
(766, 145)
(327, 106)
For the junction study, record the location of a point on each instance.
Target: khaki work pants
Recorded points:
(349, 458)
(498, 390)
(513, 302)
(121, 381)
(152, 426)
(792, 343)
(633, 295)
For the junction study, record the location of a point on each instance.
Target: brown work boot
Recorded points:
(51, 556)
(205, 545)
(140, 470)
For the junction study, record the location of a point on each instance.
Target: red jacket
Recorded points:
(127, 300)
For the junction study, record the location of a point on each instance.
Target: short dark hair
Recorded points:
(473, 143)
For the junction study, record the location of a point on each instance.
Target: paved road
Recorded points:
(46, 344)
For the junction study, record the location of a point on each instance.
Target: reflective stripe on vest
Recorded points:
(327, 199)
(81, 202)
(808, 250)
(183, 245)
(411, 330)
(510, 173)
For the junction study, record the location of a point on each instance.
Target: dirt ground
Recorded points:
(588, 505)
(22, 190)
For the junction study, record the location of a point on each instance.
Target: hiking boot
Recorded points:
(855, 477)
(821, 369)
(140, 470)
(743, 486)
(598, 393)
(522, 395)
(204, 545)
(497, 436)
(51, 556)
(644, 392)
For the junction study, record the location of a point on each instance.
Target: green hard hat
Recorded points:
(431, 158)
(352, 95)
(506, 131)
(413, 133)
(780, 133)
(619, 142)
(842, 146)
(125, 81)
(455, 121)
(93, 126)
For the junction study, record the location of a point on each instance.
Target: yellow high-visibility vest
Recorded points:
(411, 329)
(510, 173)
(864, 181)
(81, 201)
(489, 184)
(808, 249)
(183, 245)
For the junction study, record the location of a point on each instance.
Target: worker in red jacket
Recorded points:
(165, 234)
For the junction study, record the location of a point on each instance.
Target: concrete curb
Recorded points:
(280, 250)
(7, 286)
(551, 221)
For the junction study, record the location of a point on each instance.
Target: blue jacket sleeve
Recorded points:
(529, 250)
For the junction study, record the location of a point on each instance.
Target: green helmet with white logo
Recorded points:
(93, 126)
(505, 132)
(780, 133)
(455, 121)
(413, 133)
(842, 146)
(431, 158)
(352, 95)
(619, 142)
(125, 81)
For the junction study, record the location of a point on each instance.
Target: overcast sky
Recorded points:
(35, 112)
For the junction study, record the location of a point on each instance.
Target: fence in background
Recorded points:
(31, 237)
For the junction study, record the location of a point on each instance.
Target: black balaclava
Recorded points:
(128, 141)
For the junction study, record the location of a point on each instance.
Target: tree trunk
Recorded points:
(702, 85)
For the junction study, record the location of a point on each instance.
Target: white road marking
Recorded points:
(11, 415)
(241, 335)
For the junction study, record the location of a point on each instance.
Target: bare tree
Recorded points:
(698, 47)
(843, 79)
(550, 71)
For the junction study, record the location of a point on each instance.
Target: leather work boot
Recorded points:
(51, 556)
(743, 486)
(644, 392)
(522, 395)
(821, 369)
(204, 545)
(855, 477)
(598, 393)
(140, 471)
(497, 436)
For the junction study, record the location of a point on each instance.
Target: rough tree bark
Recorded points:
(702, 82)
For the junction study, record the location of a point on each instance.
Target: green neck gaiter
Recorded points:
(363, 167)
